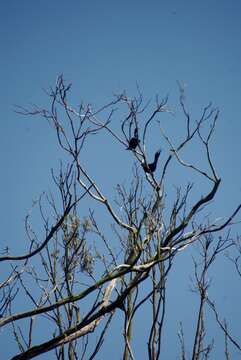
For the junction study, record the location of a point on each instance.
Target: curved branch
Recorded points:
(187, 219)
(45, 242)
(59, 340)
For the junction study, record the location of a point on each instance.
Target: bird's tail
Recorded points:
(157, 154)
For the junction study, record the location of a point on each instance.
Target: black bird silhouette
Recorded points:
(134, 141)
(150, 168)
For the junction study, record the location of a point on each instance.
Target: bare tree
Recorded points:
(77, 284)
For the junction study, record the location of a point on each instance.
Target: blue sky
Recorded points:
(104, 47)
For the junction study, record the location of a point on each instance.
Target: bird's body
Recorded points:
(150, 168)
(134, 141)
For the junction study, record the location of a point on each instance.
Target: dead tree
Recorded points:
(80, 283)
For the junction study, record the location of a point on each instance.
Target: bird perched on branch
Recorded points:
(134, 141)
(150, 168)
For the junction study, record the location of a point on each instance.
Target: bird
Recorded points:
(150, 168)
(134, 141)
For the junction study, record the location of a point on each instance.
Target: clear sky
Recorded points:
(104, 47)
